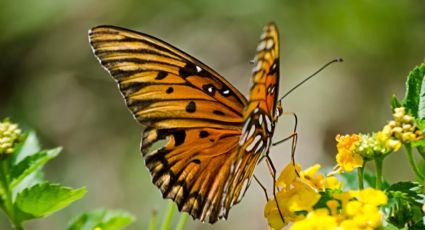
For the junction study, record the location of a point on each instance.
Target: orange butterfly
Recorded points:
(203, 137)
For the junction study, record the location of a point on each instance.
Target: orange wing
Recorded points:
(193, 116)
(259, 115)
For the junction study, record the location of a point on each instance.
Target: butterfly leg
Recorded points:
(272, 171)
(262, 187)
(293, 136)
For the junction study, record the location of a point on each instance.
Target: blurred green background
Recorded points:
(51, 82)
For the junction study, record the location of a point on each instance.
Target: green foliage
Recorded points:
(404, 207)
(414, 100)
(24, 193)
(43, 199)
(350, 180)
(102, 219)
(394, 102)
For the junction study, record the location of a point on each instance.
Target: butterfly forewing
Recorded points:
(164, 87)
(194, 119)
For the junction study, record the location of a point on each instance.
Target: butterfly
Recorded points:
(203, 138)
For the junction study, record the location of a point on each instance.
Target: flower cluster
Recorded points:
(299, 197)
(354, 149)
(9, 135)
(347, 210)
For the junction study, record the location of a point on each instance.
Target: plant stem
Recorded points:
(360, 177)
(169, 216)
(378, 172)
(411, 159)
(7, 196)
(182, 221)
(154, 220)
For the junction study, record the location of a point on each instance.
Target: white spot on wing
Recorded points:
(257, 67)
(253, 143)
(259, 147)
(198, 69)
(251, 131)
(243, 139)
(226, 92)
(269, 43)
(210, 89)
(260, 120)
(245, 127)
(261, 45)
(268, 124)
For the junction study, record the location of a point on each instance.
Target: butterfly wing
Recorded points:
(193, 116)
(259, 115)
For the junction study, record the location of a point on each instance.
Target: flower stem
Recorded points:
(378, 172)
(182, 221)
(154, 220)
(169, 216)
(411, 159)
(360, 173)
(9, 209)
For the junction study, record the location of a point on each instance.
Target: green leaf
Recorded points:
(404, 207)
(414, 100)
(394, 102)
(30, 164)
(43, 199)
(29, 146)
(389, 226)
(105, 219)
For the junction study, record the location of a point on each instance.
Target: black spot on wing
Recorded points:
(161, 75)
(218, 112)
(191, 107)
(275, 67)
(188, 70)
(169, 90)
(210, 89)
(196, 161)
(203, 134)
(179, 137)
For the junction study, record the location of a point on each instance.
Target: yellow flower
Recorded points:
(317, 220)
(9, 136)
(310, 177)
(296, 194)
(288, 175)
(360, 209)
(347, 158)
(332, 183)
(371, 196)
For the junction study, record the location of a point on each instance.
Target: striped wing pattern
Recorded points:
(260, 114)
(194, 119)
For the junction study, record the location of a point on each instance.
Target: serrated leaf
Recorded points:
(30, 164)
(404, 203)
(104, 219)
(394, 102)
(43, 199)
(414, 99)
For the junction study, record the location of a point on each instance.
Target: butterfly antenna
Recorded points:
(309, 77)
